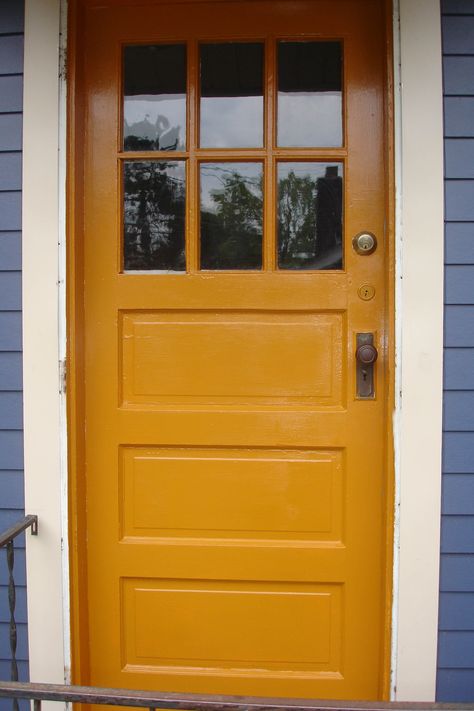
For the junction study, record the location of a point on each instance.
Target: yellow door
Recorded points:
(229, 446)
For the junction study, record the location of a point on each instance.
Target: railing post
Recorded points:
(7, 539)
(12, 604)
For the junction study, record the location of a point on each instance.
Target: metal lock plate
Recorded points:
(366, 292)
(364, 243)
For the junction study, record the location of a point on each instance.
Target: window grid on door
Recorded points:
(188, 153)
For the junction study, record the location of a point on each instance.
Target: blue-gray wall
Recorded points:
(456, 617)
(11, 417)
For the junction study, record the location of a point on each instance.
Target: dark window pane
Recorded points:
(232, 95)
(231, 215)
(155, 97)
(310, 216)
(154, 216)
(309, 94)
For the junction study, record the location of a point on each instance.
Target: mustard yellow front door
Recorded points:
(230, 451)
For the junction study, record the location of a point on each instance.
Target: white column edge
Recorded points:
(419, 430)
(42, 196)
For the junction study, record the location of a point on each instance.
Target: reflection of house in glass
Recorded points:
(154, 97)
(329, 220)
(145, 135)
(154, 214)
(309, 216)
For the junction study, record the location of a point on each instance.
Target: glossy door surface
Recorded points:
(234, 512)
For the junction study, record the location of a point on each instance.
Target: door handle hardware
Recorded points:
(366, 356)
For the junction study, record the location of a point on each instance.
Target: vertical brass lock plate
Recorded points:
(366, 355)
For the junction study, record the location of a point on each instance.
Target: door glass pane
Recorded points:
(155, 97)
(231, 215)
(309, 94)
(310, 216)
(154, 216)
(231, 95)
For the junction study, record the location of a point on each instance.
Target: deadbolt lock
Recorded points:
(364, 243)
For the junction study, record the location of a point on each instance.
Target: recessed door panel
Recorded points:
(217, 625)
(205, 493)
(234, 358)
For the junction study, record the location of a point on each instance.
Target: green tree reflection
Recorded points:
(310, 220)
(231, 226)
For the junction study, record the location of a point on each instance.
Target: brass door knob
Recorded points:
(367, 354)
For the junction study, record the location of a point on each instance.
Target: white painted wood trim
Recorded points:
(419, 430)
(419, 348)
(42, 196)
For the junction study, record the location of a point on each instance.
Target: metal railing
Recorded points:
(155, 700)
(7, 540)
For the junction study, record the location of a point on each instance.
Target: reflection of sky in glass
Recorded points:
(213, 176)
(156, 116)
(310, 119)
(232, 122)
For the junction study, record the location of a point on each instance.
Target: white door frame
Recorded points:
(419, 335)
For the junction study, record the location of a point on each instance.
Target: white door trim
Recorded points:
(44, 193)
(419, 319)
(420, 278)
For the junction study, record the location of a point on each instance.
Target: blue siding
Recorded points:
(459, 242)
(458, 7)
(456, 684)
(457, 34)
(11, 94)
(458, 112)
(456, 611)
(456, 614)
(10, 171)
(458, 495)
(11, 397)
(457, 573)
(10, 330)
(459, 157)
(458, 76)
(10, 132)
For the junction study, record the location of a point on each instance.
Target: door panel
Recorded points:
(226, 368)
(235, 483)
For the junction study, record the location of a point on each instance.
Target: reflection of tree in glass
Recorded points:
(154, 196)
(310, 221)
(231, 227)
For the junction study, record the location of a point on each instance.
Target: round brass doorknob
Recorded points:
(367, 354)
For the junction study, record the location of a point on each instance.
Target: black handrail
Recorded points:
(11, 533)
(209, 702)
(7, 539)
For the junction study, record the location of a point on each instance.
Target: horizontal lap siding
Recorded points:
(11, 414)
(456, 615)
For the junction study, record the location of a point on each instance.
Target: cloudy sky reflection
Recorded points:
(309, 119)
(232, 122)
